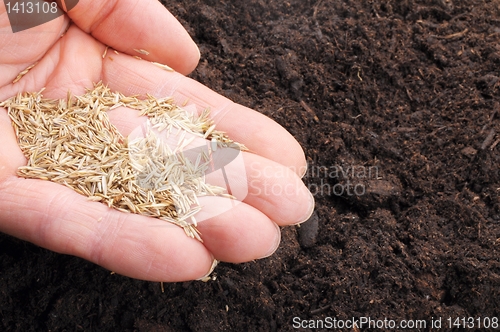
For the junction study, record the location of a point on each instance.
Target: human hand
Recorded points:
(57, 218)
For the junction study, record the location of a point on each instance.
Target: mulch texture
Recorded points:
(397, 105)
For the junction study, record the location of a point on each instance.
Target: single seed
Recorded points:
(141, 51)
(24, 72)
(162, 66)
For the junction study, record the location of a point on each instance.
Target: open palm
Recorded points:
(68, 56)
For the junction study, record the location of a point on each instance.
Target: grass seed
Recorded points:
(73, 143)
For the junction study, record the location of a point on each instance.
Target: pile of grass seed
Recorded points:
(72, 142)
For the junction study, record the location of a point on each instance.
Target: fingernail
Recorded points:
(198, 57)
(206, 277)
(304, 172)
(276, 243)
(310, 211)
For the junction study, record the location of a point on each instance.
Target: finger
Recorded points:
(277, 191)
(129, 25)
(237, 235)
(56, 218)
(263, 184)
(260, 134)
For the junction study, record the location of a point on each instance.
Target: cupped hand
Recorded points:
(68, 53)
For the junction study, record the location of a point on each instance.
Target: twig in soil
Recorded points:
(309, 110)
(453, 35)
(494, 144)
(320, 310)
(488, 139)
(315, 12)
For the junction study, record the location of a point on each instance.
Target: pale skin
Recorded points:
(69, 57)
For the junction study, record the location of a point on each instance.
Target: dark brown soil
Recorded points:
(409, 90)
